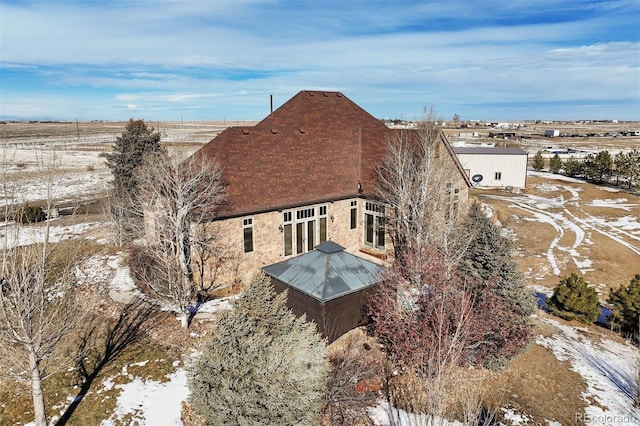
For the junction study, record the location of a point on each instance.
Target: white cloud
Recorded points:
(454, 54)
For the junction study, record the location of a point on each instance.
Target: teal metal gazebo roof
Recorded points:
(326, 273)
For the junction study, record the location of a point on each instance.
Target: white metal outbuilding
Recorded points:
(494, 167)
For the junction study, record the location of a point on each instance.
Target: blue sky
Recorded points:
(221, 59)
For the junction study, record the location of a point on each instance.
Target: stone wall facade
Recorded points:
(268, 239)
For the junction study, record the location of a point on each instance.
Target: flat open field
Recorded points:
(597, 136)
(67, 159)
(562, 225)
(202, 131)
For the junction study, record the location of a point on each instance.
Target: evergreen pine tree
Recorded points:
(626, 306)
(263, 366)
(573, 167)
(489, 258)
(488, 262)
(573, 299)
(538, 161)
(128, 153)
(555, 164)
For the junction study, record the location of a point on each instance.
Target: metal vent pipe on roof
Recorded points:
(271, 100)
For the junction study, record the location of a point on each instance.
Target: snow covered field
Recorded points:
(61, 175)
(566, 225)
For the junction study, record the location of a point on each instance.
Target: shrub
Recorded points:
(263, 366)
(355, 380)
(625, 302)
(573, 299)
(30, 214)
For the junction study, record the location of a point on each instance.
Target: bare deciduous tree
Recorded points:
(119, 213)
(213, 258)
(38, 307)
(176, 194)
(417, 181)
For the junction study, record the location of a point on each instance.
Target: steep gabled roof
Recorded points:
(317, 147)
(326, 273)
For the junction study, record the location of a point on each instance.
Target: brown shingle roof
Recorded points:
(316, 147)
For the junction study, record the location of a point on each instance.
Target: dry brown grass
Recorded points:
(23, 130)
(538, 384)
(613, 264)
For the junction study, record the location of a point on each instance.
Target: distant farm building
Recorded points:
(502, 135)
(469, 135)
(494, 167)
(552, 133)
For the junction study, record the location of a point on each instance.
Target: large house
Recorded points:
(306, 174)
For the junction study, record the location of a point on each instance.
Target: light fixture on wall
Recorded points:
(332, 218)
(280, 228)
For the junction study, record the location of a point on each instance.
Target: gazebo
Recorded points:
(327, 284)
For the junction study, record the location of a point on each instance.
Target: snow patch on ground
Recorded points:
(609, 189)
(151, 403)
(514, 417)
(60, 174)
(553, 176)
(384, 414)
(17, 236)
(618, 203)
(607, 367)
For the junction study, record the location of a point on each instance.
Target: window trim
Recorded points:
(299, 221)
(353, 214)
(247, 230)
(377, 212)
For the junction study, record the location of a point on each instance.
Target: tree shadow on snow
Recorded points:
(621, 379)
(100, 345)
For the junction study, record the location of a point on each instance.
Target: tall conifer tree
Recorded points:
(128, 153)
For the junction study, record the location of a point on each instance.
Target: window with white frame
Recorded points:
(354, 214)
(456, 201)
(453, 198)
(374, 221)
(247, 234)
(303, 229)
